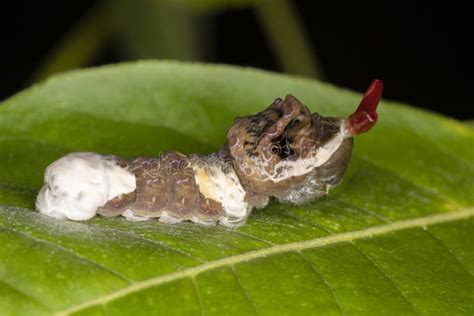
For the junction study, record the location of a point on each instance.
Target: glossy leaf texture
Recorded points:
(394, 238)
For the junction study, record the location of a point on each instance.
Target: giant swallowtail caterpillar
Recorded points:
(284, 152)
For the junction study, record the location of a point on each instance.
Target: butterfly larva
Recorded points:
(283, 152)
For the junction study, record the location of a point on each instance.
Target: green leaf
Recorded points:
(394, 238)
(286, 34)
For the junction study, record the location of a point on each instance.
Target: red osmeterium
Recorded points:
(365, 116)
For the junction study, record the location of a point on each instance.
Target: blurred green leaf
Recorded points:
(285, 32)
(80, 45)
(212, 5)
(394, 238)
(158, 29)
(178, 30)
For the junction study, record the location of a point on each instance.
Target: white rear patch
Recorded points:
(78, 183)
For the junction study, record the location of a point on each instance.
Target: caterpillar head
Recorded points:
(292, 154)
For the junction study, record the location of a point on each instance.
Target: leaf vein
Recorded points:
(254, 237)
(255, 254)
(69, 251)
(422, 187)
(385, 274)
(198, 295)
(155, 242)
(246, 294)
(443, 244)
(25, 294)
(325, 281)
(365, 211)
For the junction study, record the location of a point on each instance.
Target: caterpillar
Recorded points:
(285, 152)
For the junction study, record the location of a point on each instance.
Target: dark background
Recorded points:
(422, 53)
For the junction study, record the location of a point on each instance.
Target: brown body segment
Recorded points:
(164, 184)
(152, 187)
(183, 191)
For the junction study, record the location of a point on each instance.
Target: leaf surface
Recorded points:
(393, 238)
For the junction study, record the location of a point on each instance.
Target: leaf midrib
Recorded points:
(276, 249)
